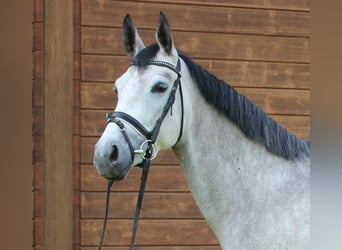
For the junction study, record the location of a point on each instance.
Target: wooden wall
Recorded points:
(261, 47)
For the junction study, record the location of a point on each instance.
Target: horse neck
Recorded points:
(225, 170)
(211, 139)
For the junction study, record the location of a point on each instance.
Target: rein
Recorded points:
(148, 150)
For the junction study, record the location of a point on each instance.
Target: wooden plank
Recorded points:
(38, 148)
(255, 48)
(38, 66)
(58, 119)
(303, 5)
(38, 120)
(161, 179)
(203, 247)
(77, 38)
(76, 233)
(97, 96)
(76, 120)
(77, 12)
(150, 232)
(38, 176)
(298, 125)
(38, 204)
(77, 66)
(260, 74)
(38, 231)
(240, 47)
(38, 36)
(102, 68)
(38, 10)
(290, 4)
(198, 18)
(204, 45)
(273, 101)
(155, 206)
(279, 102)
(37, 92)
(76, 149)
(93, 123)
(77, 94)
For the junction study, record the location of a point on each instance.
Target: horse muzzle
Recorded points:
(112, 157)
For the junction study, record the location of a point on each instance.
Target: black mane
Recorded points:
(250, 118)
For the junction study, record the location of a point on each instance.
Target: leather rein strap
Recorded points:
(150, 136)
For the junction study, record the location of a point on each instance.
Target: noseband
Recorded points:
(147, 150)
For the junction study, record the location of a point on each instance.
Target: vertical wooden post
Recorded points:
(58, 118)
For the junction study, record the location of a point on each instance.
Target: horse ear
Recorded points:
(164, 35)
(132, 41)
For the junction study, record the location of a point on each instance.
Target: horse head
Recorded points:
(149, 113)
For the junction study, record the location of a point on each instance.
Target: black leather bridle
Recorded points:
(150, 136)
(147, 149)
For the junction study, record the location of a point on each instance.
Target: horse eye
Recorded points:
(159, 87)
(115, 90)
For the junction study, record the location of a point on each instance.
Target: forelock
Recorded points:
(143, 58)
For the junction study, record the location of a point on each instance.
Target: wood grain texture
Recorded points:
(38, 36)
(38, 231)
(156, 248)
(38, 10)
(38, 204)
(76, 234)
(103, 68)
(303, 5)
(38, 67)
(38, 120)
(97, 96)
(38, 148)
(161, 179)
(38, 176)
(198, 18)
(150, 232)
(155, 206)
(37, 92)
(279, 102)
(98, 40)
(58, 121)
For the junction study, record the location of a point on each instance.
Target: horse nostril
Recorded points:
(115, 153)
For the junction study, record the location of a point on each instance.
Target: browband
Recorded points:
(176, 69)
